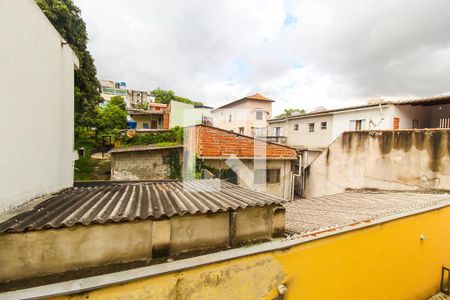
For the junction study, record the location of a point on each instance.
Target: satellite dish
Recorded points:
(131, 133)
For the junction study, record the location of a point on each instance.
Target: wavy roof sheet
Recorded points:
(122, 202)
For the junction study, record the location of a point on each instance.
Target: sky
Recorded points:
(303, 54)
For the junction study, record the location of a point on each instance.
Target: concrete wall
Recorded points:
(36, 96)
(245, 173)
(142, 165)
(37, 253)
(386, 261)
(302, 137)
(388, 160)
(243, 114)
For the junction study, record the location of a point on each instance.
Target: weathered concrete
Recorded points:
(142, 165)
(189, 233)
(252, 223)
(37, 253)
(387, 160)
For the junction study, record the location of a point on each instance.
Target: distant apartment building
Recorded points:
(37, 154)
(154, 117)
(132, 98)
(319, 128)
(185, 114)
(247, 116)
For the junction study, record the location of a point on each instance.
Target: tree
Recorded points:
(66, 18)
(118, 101)
(165, 96)
(110, 118)
(289, 112)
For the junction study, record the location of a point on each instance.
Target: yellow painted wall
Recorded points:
(386, 261)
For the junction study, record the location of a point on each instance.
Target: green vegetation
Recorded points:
(163, 96)
(175, 165)
(288, 112)
(66, 18)
(111, 119)
(92, 169)
(118, 101)
(173, 137)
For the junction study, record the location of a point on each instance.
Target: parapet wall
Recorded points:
(385, 160)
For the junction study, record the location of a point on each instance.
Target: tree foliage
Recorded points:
(118, 101)
(289, 112)
(165, 96)
(66, 18)
(110, 119)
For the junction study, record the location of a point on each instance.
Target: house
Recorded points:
(319, 128)
(185, 114)
(155, 117)
(244, 160)
(246, 116)
(146, 162)
(37, 154)
(106, 226)
(109, 89)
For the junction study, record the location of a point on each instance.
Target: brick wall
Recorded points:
(212, 141)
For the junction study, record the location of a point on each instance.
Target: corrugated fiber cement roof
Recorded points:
(121, 202)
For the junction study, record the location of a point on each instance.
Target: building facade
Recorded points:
(37, 155)
(184, 114)
(243, 160)
(155, 117)
(247, 116)
(318, 129)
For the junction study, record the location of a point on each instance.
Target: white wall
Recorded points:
(36, 100)
(382, 119)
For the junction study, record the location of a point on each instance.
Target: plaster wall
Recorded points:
(245, 171)
(302, 137)
(37, 100)
(386, 160)
(38, 253)
(381, 117)
(141, 119)
(252, 223)
(243, 114)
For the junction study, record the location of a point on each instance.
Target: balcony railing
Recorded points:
(274, 139)
(114, 91)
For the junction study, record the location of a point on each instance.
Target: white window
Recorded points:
(311, 127)
(259, 115)
(323, 125)
(278, 131)
(357, 124)
(295, 126)
(241, 130)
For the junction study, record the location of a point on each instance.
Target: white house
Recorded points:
(37, 105)
(319, 128)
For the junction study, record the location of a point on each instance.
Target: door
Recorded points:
(154, 124)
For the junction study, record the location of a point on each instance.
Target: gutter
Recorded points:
(101, 281)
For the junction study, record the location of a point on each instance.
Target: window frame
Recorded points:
(323, 125)
(259, 112)
(296, 127)
(311, 127)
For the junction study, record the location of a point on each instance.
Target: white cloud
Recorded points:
(301, 53)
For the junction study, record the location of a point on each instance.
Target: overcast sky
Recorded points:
(303, 54)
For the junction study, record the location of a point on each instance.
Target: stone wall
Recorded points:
(142, 165)
(386, 160)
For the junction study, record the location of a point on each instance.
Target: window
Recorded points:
(259, 115)
(415, 123)
(267, 176)
(229, 118)
(323, 125)
(277, 131)
(241, 130)
(295, 126)
(145, 125)
(259, 131)
(357, 124)
(396, 123)
(311, 127)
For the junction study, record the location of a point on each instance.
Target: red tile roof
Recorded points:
(213, 142)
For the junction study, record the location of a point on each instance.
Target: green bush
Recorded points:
(174, 136)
